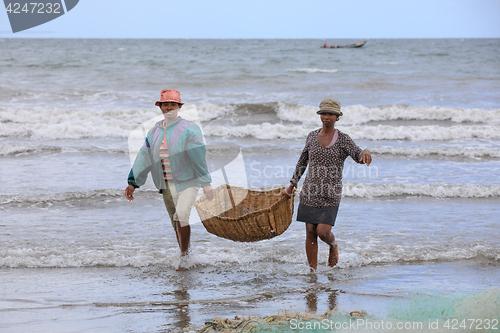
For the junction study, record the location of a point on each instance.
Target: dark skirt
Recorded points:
(325, 215)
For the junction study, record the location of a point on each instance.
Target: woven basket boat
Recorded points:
(244, 215)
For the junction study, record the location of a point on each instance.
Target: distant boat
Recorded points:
(350, 46)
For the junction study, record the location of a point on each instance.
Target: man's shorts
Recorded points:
(179, 204)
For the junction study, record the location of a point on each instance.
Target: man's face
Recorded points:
(170, 110)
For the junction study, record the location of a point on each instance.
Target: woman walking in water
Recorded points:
(325, 151)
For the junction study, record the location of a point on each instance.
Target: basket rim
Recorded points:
(247, 215)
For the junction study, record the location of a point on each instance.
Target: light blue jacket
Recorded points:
(187, 156)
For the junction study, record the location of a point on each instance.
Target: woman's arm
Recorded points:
(299, 170)
(288, 191)
(301, 166)
(358, 155)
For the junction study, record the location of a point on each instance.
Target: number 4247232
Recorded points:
(475, 324)
(34, 8)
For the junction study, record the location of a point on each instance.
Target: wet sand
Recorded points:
(158, 299)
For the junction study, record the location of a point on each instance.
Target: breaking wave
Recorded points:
(451, 152)
(267, 131)
(355, 190)
(23, 149)
(118, 123)
(431, 190)
(58, 197)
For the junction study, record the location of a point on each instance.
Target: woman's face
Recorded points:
(328, 119)
(170, 110)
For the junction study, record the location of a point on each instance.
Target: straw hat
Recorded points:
(169, 95)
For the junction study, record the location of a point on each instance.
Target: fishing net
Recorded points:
(419, 312)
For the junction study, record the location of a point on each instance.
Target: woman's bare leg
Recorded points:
(312, 245)
(325, 234)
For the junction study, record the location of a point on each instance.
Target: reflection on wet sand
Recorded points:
(312, 296)
(182, 317)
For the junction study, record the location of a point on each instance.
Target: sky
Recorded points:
(271, 19)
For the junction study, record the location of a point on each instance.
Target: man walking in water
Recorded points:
(174, 153)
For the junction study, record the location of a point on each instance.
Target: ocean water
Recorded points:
(424, 217)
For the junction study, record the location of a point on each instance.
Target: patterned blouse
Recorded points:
(323, 184)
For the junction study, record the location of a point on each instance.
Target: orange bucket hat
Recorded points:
(169, 95)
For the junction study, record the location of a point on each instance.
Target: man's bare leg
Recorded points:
(312, 245)
(183, 237)
(326, 235)
(174, 225)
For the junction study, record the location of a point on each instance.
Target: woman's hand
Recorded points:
(366, 157)
(288, 191)
(129, 192)
(209, 192)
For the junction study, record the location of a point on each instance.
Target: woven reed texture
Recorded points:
(244, 215)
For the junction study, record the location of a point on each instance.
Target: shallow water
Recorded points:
(422, 218)
(156, 299)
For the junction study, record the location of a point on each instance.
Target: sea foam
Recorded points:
(268, 131)
(359, 114)
(58, 197)
(312, 70)
(129, 253)
(292, 120)
(431, 190)
(353, 190)
(438, 151)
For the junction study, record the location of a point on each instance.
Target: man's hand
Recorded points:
(129, 192)
(209, 192)
(366, 157)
